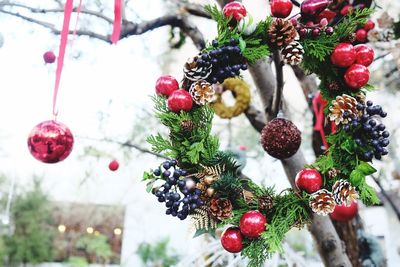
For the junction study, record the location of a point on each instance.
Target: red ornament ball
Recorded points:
(369, 25)
(235, 9)
(311, 8)
(180, 100)
(343, 55)
(50, 141)
(49, 57)
(346, 10)
(252, 224)
(361, 35)
(280, 138)
(364, 54)
(232, 240)
(345, 213)
(309, 180)
(166, 84)
(281, 8)
(113, 166)
(356, 76)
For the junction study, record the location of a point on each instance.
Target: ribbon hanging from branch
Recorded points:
(117, 21)
(319, 105)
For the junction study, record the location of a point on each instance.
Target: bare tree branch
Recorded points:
(196, 10)
(277, 101)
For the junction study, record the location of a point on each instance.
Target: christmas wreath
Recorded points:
(202, 182)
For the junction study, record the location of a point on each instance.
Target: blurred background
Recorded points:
(78, 212)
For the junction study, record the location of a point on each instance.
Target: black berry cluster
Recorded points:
(180, 199)
(370, 134)
(226, 61)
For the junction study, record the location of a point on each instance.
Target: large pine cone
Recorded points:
(344, 109)
(202, 92)
(344, 192)
(293, 53)
(195, 73)
(322, 202)
(281, 32)
(221, 208)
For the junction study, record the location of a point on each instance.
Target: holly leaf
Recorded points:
(356, 177)
(366, 168)
(199, 232)
(149, 186)
(147, 176)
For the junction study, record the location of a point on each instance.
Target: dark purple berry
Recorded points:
(372, 123)
(168, 211)
(383, 114)
(169, 204)
(329, 30)
(166, 174)
(161, 199)
(384, 152)
(214, 43)
(369, 103)
(167, 186)
(302, 32)
(157, 172)
(358, 142)
(385, 142)
(316, 32)
(193, 206)
(385, 134)
(174, 213)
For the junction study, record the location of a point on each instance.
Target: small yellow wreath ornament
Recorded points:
(240, 91)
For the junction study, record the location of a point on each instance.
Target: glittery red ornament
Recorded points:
(180, 100)
(113, 166)
(49, 57)
(343, 55)
(235, 9)
(356, 76)
(252, 224)
(361, 35)
(309, 180)
(50, 141)
(369, 25)
(344, 213)
(280, 138)
(232, 240)
(281, 8)
(365, 54)
(166, 84)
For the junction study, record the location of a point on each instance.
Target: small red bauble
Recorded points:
(369, 25)
(343, 55)
(309, 180)
(346, 10)
(113, 166)
(311, 8)
(49, 57)
(356, 76)
(50, 141)
(166, 84)
(252, 224)
(281, 8)
(180, 100)
(235, 9)
(344, 213)
(361, 35)
(365, 54)
(232, 240)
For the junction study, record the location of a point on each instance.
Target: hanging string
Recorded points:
(78, 11)
(117, 21)
(61, 53)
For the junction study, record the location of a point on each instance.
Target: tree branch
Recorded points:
(277, 101)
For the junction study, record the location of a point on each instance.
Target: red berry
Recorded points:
(356, 76)
(180, 100)
(281, 8)
(346, 10)
(311, 8)
(232, 240)
(309, 180)
(343, 55)
(49, 57)
(166, 84)
(252, 224)
(365, 55)
(113, 166)
(361, 35)
(345, 213)
(235, 9)
(327, 14)
(369, 25)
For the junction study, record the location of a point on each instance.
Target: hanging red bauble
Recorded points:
(49, 57)
(361, 35)
(364, 54)
(309, 180)
(356, 76)
(281, 8)
(311, 8)
(180, 100)
(114, 165)
(235, 9)
(232, 240)
(369, 25)
(344, 213)
(252, 224)
(343, 55)
(166, 84)
(50, 141)
(280, 138)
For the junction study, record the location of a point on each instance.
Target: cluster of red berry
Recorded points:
(178, 99)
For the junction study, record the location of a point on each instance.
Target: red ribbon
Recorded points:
(117, 22)
(319, 105)
(78, 11)
(61, 53)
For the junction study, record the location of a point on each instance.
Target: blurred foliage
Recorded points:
(95, 246)
(157, 254)
(77, 262)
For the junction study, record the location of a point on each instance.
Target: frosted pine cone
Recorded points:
(322, 202)
(265, 203)
(343, 109)
(281, 32)
(344, 192)
(187, 126)
(195, 73)
(293, 53)
(221, 208)
(202, 92)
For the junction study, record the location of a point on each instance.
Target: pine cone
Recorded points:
(322, 202)
(220, 208)
(247, 196)
(265, 203)
(333, 86)
(343, 109)
(194, 72)
(333, 173)
(293, 53)
(344, 192)
(350, 39)
(187, 126)
(281, 32)
(202, 92)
